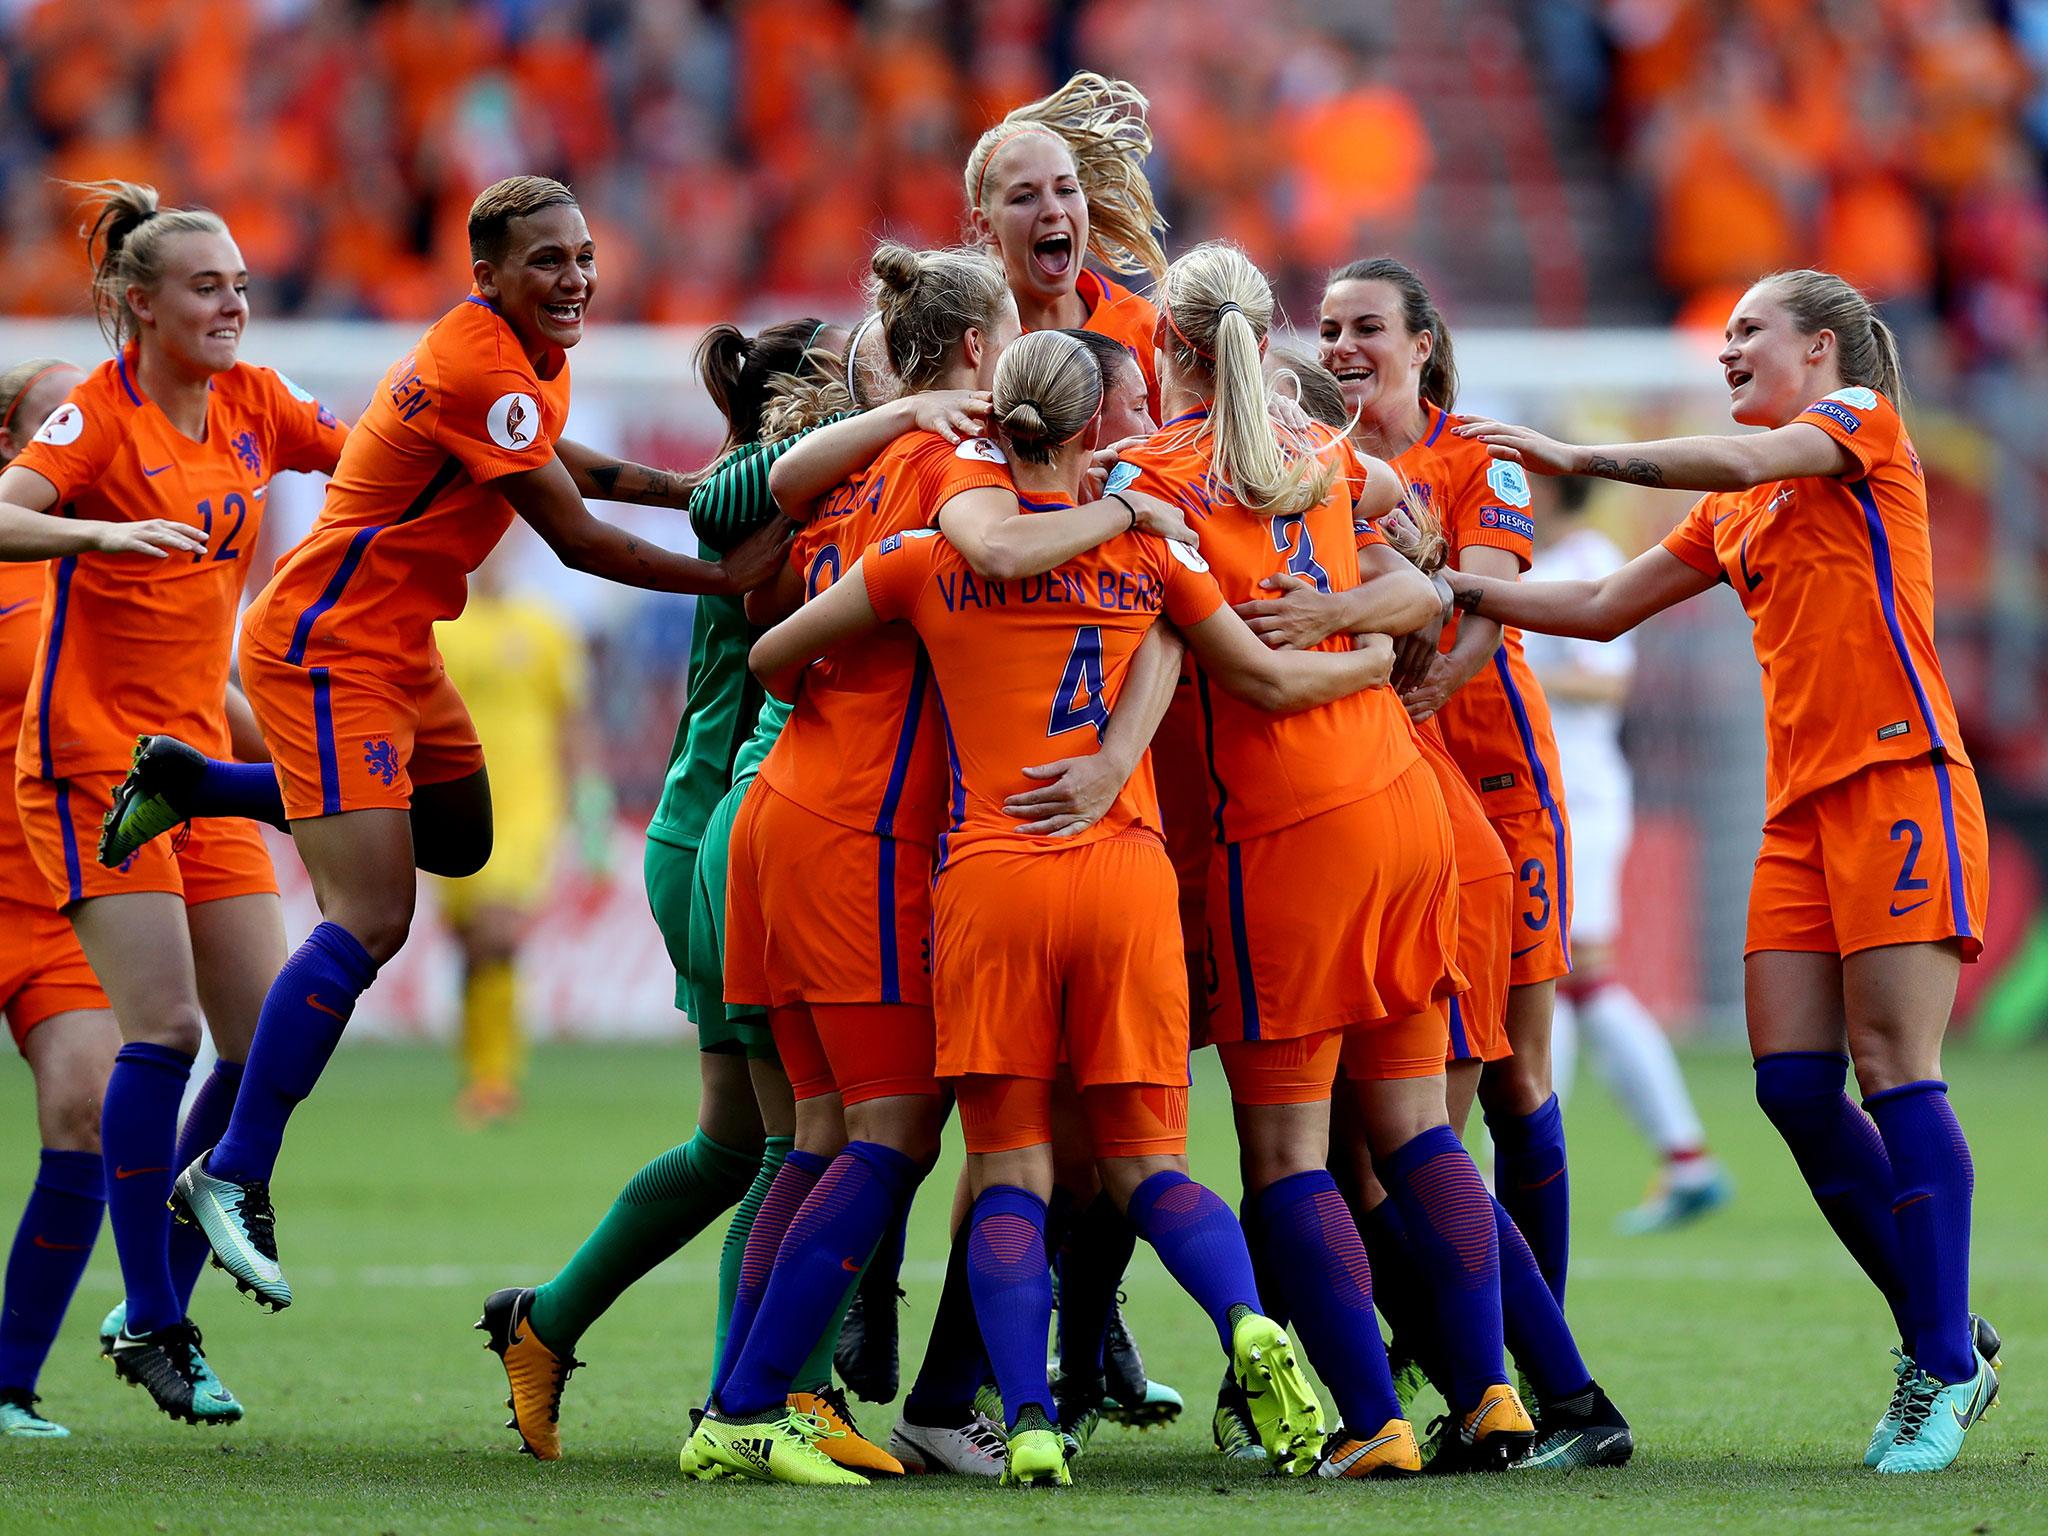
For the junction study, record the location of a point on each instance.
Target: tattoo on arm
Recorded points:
(606, 478)
(638, 483)
(1467, 599)
(1635, 471)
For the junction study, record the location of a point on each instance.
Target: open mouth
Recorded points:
(1054, 254)
(1738, 377)
(564, 314)
(1352, 375)
(225, 333)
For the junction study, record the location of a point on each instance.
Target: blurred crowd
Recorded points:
(739, 157)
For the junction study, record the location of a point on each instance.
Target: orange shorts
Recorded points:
(43, 972)
(1539, 845)
(859, 1051)
(354, 741)
(1416, 1046)
(1346, 917)
(1070, 955)
(1478, 1016)
(1894, 854)
(206, 861)
(819, 913)
(1005, 1114)
(1296, 1070)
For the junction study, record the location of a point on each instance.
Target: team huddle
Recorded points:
(1082, 679)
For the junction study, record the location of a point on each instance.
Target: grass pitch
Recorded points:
(1748, 1352)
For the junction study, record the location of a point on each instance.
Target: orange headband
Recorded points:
(981, 179)
(1221, 310)
(15, 404)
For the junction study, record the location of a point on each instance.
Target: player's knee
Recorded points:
(380, 929)
(1794, 1085)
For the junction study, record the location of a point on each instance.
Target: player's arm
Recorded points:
(1391, 598)
(1285, 682)
(1002, 541)
(29, 531)
(605, 478)
(1451, 670)
(546, 497)
(1077, 790)
(809, 471)
(1583, 610)
(840, 612)
(1676, 463)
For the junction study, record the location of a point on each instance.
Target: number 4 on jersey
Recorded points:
(1078, 701)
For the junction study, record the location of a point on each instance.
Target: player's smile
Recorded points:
(548, 277)
(1359, 344)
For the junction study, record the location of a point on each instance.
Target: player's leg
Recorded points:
(1527, 1126)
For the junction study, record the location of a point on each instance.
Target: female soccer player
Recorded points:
(377, 769)
(1072, 933)
(172, 430)
(1381, 335)
(1871, 883)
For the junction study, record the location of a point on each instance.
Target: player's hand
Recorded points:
(155, 536)
(1160, 517)
(1095, 478)
(1380, 648)
(1075, 794)
(1425, 698)
(1521, 445)
(955, 414)
(1299, 618)
(757, 558)
(1413, 656)
(1287, 412)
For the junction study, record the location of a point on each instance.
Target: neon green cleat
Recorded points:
(20, 1421)
(1286, 1413)
(146, 803)
(1036, 1459)
(781, 1447)
(1935, 1419)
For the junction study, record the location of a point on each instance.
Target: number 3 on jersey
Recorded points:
(1078, 701)
(1292, 538)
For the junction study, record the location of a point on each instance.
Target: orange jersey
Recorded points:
(21, 612)
(1269, 771)
(411, 511)
(130, 643)
(1029, 670)
(1116, 312)
(1497, 726)
(1836, 575)
(862, 745)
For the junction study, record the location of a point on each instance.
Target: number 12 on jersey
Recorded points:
(1079, 700)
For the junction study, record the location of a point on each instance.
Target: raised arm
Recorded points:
(1285, 682)
(838, 613)
(604, 478)
(1675, 463)
(30, 531)
(1584, 610)
(817, 463)
(1003, 541)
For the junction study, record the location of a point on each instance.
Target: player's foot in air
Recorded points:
(1582, 1431)
(1936, 1417)
(977, 1448)
(169, 1366)
(20, 1421)
(846, 1444)
(1231, 1427)
(1035, 1458)
(535, 1373)
(1389, 1452)
(868, 1354)
(1674, 1204)
(776, 1447)
(1988, 1345)
(1286, 1413)
(240, 1225)
(150, 801)
(1130, 1397)
(1491, 1436)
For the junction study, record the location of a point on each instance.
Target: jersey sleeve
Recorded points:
(305, 435)
(1191, 591)
(1493, 510)
(1861, 420)
(733, 500)
(488, 416)
(976, 464)
(1693, 539)
(1365, 533)
(75, 444)
(896, 569)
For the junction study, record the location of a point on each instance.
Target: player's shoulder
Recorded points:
(1853, 408)
(472, 340)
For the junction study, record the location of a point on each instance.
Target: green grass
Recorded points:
(1747, 1351)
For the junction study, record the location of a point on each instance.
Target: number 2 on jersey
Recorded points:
(1078, 701)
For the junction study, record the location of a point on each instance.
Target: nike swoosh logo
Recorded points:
(849, 1266)
(1966, 1419)
(1899, 911)
(1555, 1453)
(1722, 518)
(153, 473)
(43, 1242)
(136, 1173)
(12, 606)
(313, 1001)
(1516, 954)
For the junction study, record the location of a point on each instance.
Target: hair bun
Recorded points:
(896, 265)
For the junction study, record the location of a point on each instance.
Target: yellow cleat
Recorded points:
(536, 1373)
(1496, 1433)
(1036, 1459)
(782, 1449)
(1285, 1409)
(1390, 1453)
(846, 1444)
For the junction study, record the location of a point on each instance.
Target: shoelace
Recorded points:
(1921, 1389)
(259, 1221)
(1902, 1388)
(984, 1435)
(833, 1397)
(813, 1428)
(564, 1369)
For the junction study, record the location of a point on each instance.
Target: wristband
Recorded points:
(1118, 496)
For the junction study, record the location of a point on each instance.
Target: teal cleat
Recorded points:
(238, 1222)
(1987, 1342)
(20, 1421)
(1677, 1206)
(148, 803)
(1160, 1405)
(110, 1329)
(169, 1366)
(1935, 1419)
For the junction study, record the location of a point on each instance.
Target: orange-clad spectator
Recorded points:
(561, 76)
(1358, 154)
(1880, 236)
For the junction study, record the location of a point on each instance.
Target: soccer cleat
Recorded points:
(868, 1354)
(1231, 1426)
(974, 1449)
(988, 1402)
(1131, 1397)
(845, 1444)
(111, 1326)
(169, 1366)
(20, 1421)
(1034, 1457)
(240, 1225)
(781, 1447)
(1390, 1453)
(535, 1372)
(1582, 1431)
(1887, 1430)
(149, 801)
(1286, 1413)
(1410, 1379)
(1677, 1205)
(1160, 1405)
(1492, 1436)
(1935, 1419)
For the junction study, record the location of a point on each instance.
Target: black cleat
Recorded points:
(1582, 1431)
(868, 1352)
(152, 799)
(169, 1366)
(1130, 1397)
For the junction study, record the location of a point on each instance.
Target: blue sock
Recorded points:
(248, 790)
(1273, 1295)
(138, 1139)
(204, 1123)
(51, 1246)
(1532, 1321)
(303, 1016)
(1529, 1169)
(1091, 1263)
(1844, 1162)
(1449, 1218)
(1307, 1232)
(1199, 1242)
(1931, 1207)
(827, 1245)
(794, 1181)
(1012, 1294)
(955, 1364)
